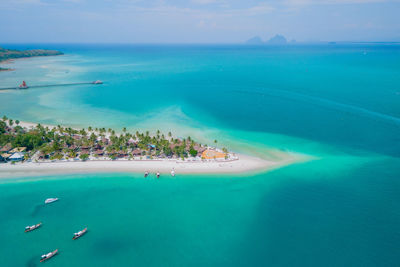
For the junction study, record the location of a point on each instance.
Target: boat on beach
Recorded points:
(48, 255)
(50, 200)
(79, 234)
(32, 227)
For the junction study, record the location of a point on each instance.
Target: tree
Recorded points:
(84, 157)
(83, 132)
(193, 152)
(10, 122)
(5, 118)
(215, 141)
(169, 134)
(124, 129)
(90, 128)
(17, 122)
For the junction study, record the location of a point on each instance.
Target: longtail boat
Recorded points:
(79, 234)
(48, 255)
(32, 227)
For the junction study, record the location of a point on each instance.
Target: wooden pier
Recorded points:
(50, 85)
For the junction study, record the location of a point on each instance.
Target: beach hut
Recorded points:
(99, 152)
(18, 149)
(18, 156)
(5, 148)
(4, 157)
(200, 149)
(137, 152)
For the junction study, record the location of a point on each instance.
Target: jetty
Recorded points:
(25, 86)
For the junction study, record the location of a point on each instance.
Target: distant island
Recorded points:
(276, 40)
(7, 54)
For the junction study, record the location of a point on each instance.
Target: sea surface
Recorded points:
(339, 104)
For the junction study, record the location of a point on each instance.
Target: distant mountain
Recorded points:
(277, 40)
(256, 40)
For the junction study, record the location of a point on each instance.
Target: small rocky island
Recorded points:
(7, 54)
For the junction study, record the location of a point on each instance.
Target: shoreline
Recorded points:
(239, 165)
(244, 164)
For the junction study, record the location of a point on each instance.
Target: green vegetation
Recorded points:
(59, 143)
(6, 54)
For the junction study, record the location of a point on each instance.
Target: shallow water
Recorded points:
(338, 103)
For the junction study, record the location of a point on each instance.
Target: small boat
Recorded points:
(97, 82)
(146, 173)
(48, 255)
(158, 175)
(50, 200)
(79, 234)
(172, 173)
(32, 227)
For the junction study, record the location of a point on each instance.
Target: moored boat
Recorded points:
(98, 82)
(172, 173)
(50, 200)
(48, 255)
(79, 234)
(32, 227)
(146, 173)
(158, 175)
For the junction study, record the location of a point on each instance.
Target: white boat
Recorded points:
(32, 227)
(79, 234)
(172, 173)
(50, 200)
(158, 175)
(47, 256)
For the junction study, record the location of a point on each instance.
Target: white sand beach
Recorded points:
(244, 164)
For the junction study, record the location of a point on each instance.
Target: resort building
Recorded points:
(18, 156)
(18, 149)
(4, 156)
(212, 154)
(5, 148)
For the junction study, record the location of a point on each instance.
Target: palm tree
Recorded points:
(124, 129)
(169, 134)
(90, 128)
(11, 122)
(215, 141)
(5, 118)
(17, 122)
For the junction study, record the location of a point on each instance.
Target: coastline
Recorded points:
(244, 164)
(241, 164)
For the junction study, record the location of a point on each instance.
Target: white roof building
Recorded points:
(17, 156)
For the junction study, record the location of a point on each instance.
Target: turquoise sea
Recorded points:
(339, 104)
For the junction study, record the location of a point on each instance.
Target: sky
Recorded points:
(197, 21)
